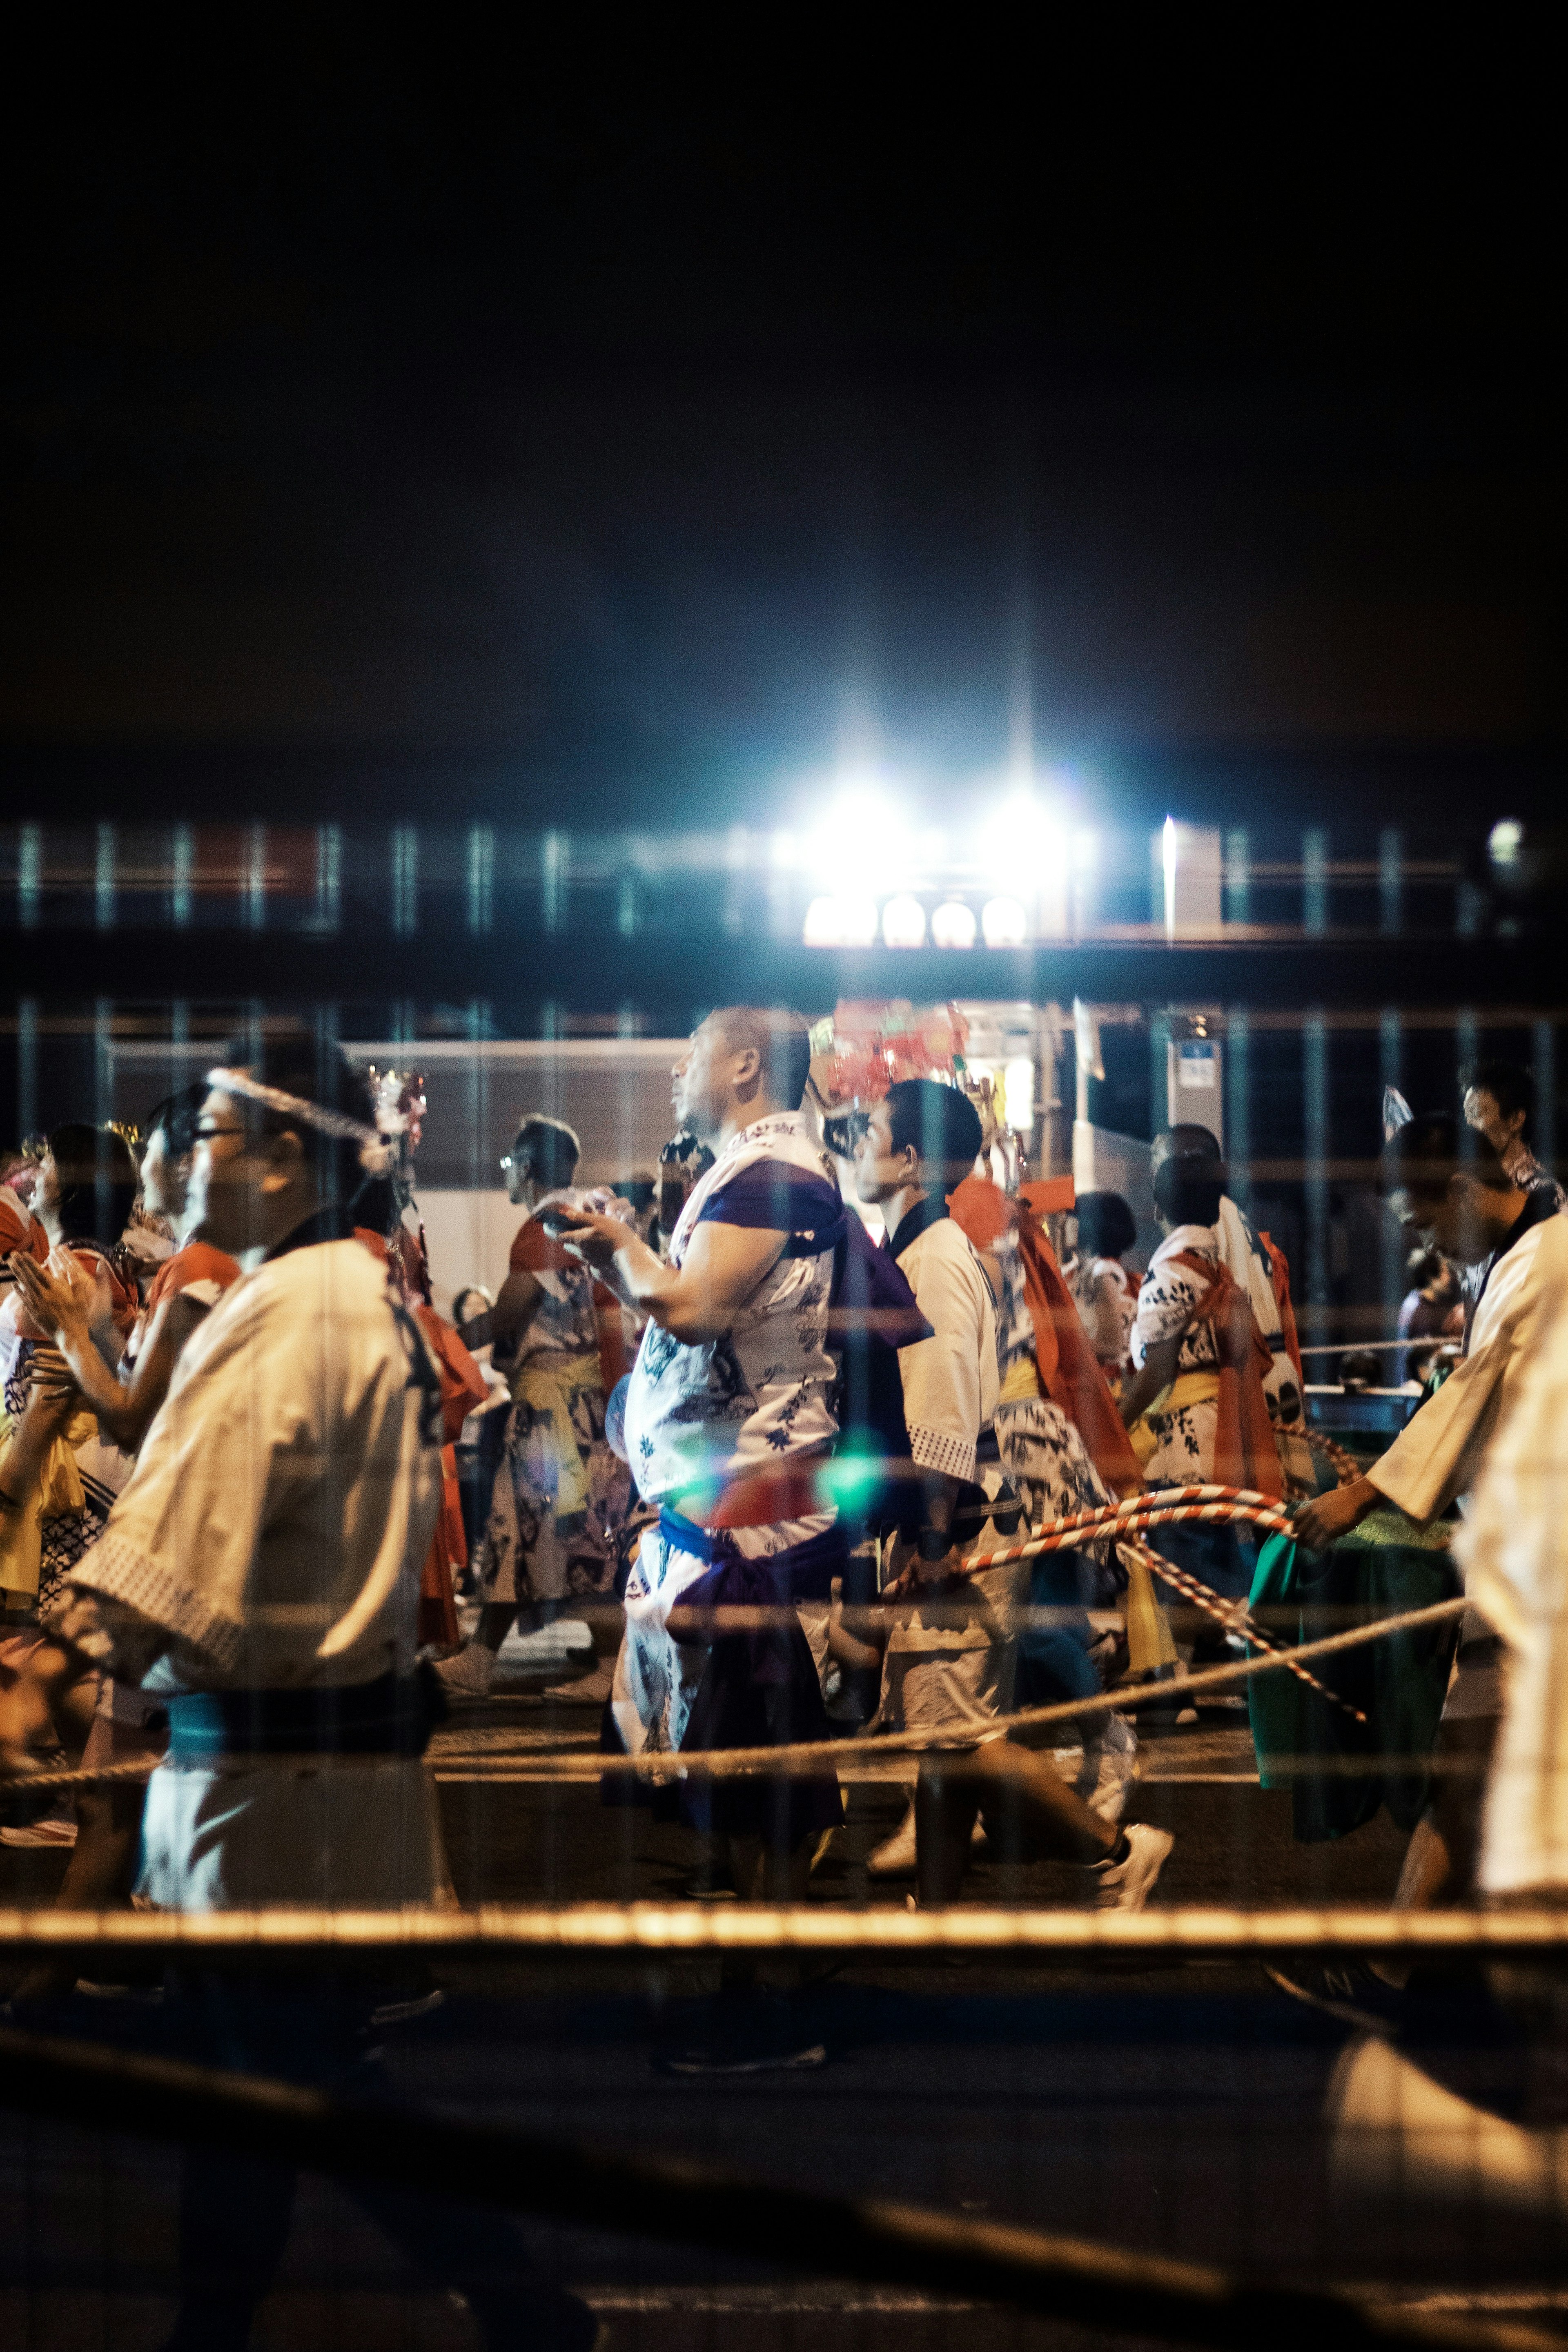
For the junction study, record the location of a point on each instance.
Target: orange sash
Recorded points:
(1069, 1370)
(1279, 1274)
(1245, 1453)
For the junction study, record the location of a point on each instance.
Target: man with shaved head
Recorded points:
(730, 1422)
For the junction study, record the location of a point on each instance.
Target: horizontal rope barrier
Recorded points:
(888, 1931)
(804, 1756)
(1203, 1502)
(1109, 2288)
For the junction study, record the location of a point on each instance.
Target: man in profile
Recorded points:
(730, 1421)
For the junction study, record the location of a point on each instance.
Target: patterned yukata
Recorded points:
(561, 1494)
(699, 1417)
(1045, 1456)
(1041, 1450)
(1183, 1434)
(100, 1464)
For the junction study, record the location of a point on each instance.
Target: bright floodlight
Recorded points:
(1505, 840)
(860, 844)
(952, 925)
(849, 922)
(904, 922)
(1019, 1076)
(1004, 923)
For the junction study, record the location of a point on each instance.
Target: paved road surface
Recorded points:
(1172, 2109)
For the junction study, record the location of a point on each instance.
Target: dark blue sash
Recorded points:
(393, 1716)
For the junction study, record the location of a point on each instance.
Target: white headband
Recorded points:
(375, 1154)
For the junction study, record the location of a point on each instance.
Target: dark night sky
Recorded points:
(611, 420)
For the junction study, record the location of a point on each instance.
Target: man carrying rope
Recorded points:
(954, 1679)
(261, 1572)
(1449, 1185)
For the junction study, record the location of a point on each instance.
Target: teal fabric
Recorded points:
(1386, 1566)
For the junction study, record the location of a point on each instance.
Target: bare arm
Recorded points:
(1106, 1338)
(125, 1410)
(696, 1301)
(48, 1409)
(1140, 1387)
(1318, 1522)
(504, 1324)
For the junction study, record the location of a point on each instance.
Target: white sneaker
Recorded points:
(1127, 1884)
(470, 1673)
(895, 1857)
(550, 1655)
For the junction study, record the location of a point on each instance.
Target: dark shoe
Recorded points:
(1356, 1996)
(753, 2033)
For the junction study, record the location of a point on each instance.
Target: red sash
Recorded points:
(1069, 1370)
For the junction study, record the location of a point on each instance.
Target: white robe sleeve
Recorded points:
(240, 1433)
(947, 1398)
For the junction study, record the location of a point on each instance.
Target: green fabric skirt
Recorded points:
(1340, 1772)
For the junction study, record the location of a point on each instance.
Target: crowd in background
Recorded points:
(1028, 1385)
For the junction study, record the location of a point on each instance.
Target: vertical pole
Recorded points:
(181, 865)
(256, 877)
(1315, 881)
(405, 880)
(1315, 1079)
(103, 879)
(1391, 1071)
(1467, 1050)
(329, 878)
(1390, 887)
(26, 1066)
(29, 875)
(1545, 1060)
(1238, 1105)
(481, 878)
(1237, 878)
(552, 878)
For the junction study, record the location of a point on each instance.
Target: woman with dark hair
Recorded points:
(185, 1289)
(1105, 1297)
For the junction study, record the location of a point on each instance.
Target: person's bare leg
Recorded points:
(98, 1875)
(1440, 1861)
(1020, 1794)
(761, 1872)
(495, 1623)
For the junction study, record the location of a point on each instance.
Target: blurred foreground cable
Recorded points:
(1106, 2287)
(885, 1930)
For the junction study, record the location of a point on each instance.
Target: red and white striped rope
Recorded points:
(1164, 1507)
(1237, 1618)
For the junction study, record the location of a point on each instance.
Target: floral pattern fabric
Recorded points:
(1167, 1299)
(764, 1391)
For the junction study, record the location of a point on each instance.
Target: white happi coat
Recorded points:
(271, 1537)
(1514, 1550)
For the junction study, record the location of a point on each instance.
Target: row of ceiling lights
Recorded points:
(854, 922)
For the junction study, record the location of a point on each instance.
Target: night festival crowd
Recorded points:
(233, 1538)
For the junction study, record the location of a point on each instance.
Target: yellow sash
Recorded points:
(1023, 1380)
(547, 1383)
(1188, 1388)
(58, 1492)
